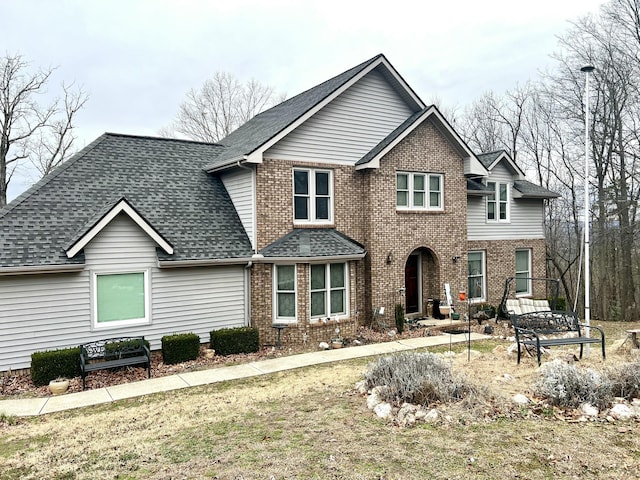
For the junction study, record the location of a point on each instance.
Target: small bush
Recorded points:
(487, 308)
(561, 304)
(228, 341)
(417, 378)
(625, 380)
(52, 364)
(122, 348)
(567, 385)
(180, 348)
(400, 317)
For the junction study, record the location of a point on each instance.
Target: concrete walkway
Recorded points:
(38, 406)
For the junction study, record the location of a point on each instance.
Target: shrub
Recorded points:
(625, 380)
(52, 364)
(567, 385)
(228, 341)
(417, 378)
(561, 304)
(487, 308)
(400, 317)
(180, 348)
(120, 347)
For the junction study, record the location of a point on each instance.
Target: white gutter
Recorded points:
(37, 269)
(204, 262)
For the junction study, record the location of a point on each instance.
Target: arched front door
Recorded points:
(412, 283)
(420, 280)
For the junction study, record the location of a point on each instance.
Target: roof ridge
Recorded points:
(168, 139)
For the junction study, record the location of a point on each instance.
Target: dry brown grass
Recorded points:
(309, 423)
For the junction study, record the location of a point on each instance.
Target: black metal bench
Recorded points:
(113, 353)
(532, 329)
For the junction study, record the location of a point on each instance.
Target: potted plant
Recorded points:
(337, 341)
(59, 386)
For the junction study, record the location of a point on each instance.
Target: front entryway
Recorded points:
(412, 283)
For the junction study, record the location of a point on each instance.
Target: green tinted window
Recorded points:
(120, 297)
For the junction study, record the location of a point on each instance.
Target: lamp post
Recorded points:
(587, 69)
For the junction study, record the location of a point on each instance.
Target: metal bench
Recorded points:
(532, 328)
(113, 353)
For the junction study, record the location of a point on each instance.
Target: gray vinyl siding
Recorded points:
(240, 185)
(346, 129)
(526, 215)
(46, 312)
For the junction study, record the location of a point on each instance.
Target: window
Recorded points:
(328, 290)
(476, 279)
(418, 191)
(121, 299)
(312, 196)
(285, 293)
(523, 272)
(498, 202)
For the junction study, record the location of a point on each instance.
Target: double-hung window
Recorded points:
(120, 299)
(312, 196)
(477, 275)
(498, 202)
(523, 272)
(285, 293)
(419, 191)
(328, 290)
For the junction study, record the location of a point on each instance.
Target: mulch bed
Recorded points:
(20, 385)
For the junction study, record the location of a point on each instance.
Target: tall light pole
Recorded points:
(587, 69)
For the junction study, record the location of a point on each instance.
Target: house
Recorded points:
(350, 196)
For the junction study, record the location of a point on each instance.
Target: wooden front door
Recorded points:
(412, 284)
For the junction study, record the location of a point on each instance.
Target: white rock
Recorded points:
(391, 333)
(383, 410)
(520, 399)
(323, 346)
(432, 416)
(374, 397)
(621, 411)
(589, 410)
(513, 348)
(361, 387)
(356, 342)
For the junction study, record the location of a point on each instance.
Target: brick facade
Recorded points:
(365, 210)
(501, 263)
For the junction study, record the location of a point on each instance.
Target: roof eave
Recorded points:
(204, 262)
(314, 259)
(41, 269)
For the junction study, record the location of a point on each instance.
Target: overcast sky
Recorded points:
(137, 59)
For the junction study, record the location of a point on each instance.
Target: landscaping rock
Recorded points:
(383, 410)
(520, 399)
(621, 411)
(589, 410)
(432, 416)
(323, 346)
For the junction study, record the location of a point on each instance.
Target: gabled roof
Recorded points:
(311, 244)
(372, 158)
(491, 159)
(249, 141)
(522, 188)
(175, 201)
(102, 218)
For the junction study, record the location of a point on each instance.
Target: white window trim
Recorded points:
(276, 318)
(497, 201)
(528, 293)
(118, 324)
(312, 197)
(427, 192)
(483, 297)
(327, 290)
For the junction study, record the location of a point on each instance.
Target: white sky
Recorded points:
(137, 59)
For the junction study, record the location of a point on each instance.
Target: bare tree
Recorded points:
(220, 106)
(29, 130)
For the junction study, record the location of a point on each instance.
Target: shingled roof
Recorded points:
(308, 243)
(162, 179)
(265, 126)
